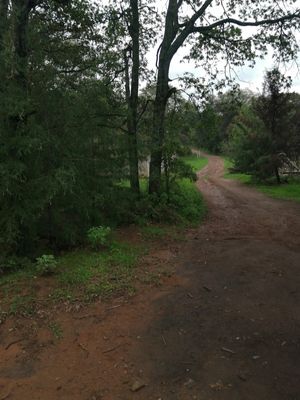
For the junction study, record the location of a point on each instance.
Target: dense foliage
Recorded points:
(74, 123)
(264, 137)
(60, 155)
(213, 122)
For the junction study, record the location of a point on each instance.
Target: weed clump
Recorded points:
(46, 264)
(99, 236)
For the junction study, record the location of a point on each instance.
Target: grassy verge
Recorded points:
(289, 190)
(197, 163)
(188, 203)
(81, 275)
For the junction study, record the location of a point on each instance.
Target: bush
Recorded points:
(249, 146)
(46, 264)
(13, 263)
(187, 202)
(99, 236)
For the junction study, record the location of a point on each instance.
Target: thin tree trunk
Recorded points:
(3, 21)
(158, 134)
(3, 30)
(161, 98)
(277, 175)
(132, 97)
(21, 10)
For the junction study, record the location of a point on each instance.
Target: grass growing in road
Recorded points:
(153, 232)
(195, 162)
(287, 190)
(56, 330)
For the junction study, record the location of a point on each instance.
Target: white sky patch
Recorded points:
(247, 77)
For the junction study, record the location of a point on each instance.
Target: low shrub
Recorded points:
(46, 264)
(10, 264)
(99, 236)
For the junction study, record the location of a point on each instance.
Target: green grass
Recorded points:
(189, 203)
(157, 232)
(81, 275)
(56, 330)
(93, 274)
(244, 178)
(289, 190)
(197, 163)
(84, 274)
(22, 304)
(151, 232)
(18, 292)
(125, 183)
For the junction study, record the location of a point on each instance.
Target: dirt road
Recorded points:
(225, 326)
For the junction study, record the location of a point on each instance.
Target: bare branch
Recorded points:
(188, 28)
(143, 110)
(271, 21)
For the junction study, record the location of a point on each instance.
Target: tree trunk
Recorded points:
(277, 175)
(158, 133)
(20, 10)
(161, 98)
(132, 96)
(133, 156)
(3, 30)
(3, 20)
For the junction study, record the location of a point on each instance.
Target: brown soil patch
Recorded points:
(225, 326)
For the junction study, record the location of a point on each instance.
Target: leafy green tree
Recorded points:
(215, 119)
(208, 133)
(61, 147)
(294, 148)
(214, 29)
(248, 144)
(129, 32)
(265, 133)
(179, 116)
(274, 108)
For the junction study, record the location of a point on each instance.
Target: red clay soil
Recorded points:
(225, 326)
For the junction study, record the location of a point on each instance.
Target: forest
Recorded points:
(81, 111)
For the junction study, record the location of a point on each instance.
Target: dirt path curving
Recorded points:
(225, 326)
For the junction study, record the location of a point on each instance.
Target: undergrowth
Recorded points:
(81, 275)
(109, 268)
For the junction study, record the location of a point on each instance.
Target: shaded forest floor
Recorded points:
(223, 323)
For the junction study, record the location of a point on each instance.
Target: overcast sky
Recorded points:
(250, 78)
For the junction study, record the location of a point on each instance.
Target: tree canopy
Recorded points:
(75, 121)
